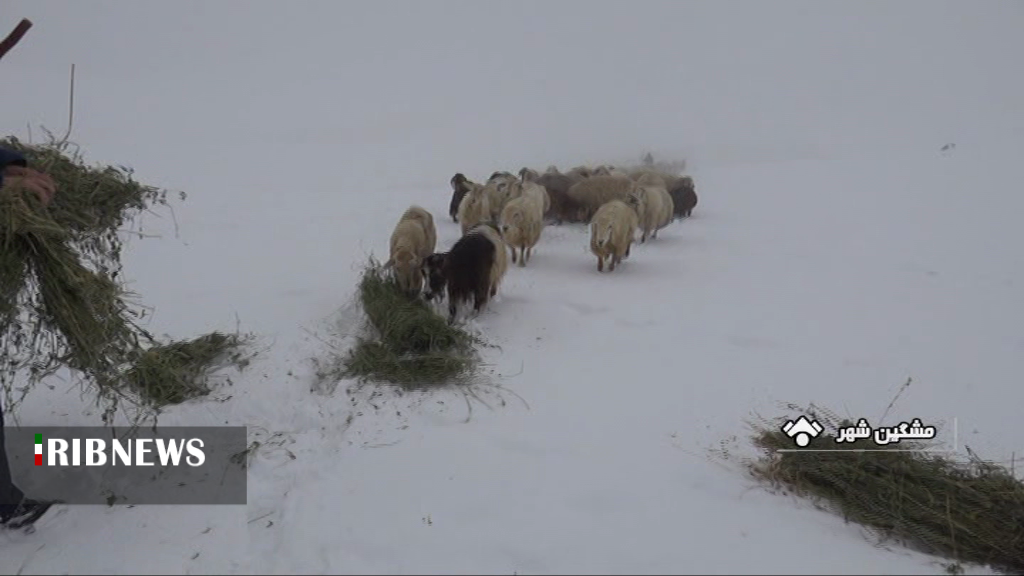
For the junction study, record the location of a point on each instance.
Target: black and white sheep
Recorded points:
(472, 270)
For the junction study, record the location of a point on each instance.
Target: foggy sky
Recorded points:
(424, 89)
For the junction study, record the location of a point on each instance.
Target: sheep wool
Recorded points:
(596, 191)
(413, 239)
(611, 233)
(473, 268)
(522, 221)
(474, 208)
(653, 205)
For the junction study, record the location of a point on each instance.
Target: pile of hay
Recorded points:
(61, 303)
(411, 345)
(967, 511)
(178, 371)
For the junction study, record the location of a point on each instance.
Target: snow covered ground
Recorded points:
(836, 251)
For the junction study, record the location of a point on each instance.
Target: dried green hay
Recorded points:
(180, 370)
(966, 510)
(61, 301)
(411, 345)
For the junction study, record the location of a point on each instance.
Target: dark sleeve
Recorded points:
(7, 158)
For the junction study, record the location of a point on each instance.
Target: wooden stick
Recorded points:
(14, 36)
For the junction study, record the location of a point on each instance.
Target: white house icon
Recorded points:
(802, 430)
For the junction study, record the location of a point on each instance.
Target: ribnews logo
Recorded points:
(115, 465)
(134, 452)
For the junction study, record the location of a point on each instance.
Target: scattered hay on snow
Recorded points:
(966, 511)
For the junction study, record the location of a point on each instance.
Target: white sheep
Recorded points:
(611, 233)
(413, 239)
(653, 205)
(501, 188)
(593, 192)
(522, 221)
(474, 208)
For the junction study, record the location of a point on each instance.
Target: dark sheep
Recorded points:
(684, 197)
(460, 185)
(562, 208)
(467, 270)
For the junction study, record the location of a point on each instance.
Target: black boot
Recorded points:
(26, 513)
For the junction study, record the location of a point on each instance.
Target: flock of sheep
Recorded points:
(511, 211)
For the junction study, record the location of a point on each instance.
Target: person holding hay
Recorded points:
(17, 511)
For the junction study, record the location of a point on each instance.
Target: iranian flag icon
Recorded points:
(39, 449)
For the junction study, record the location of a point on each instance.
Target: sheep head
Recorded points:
(434, 271)
(458, 180)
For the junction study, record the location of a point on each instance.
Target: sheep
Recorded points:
(562, 208)
(528, 175)
(413, 239)
(460, 185)
(580, 173)
(611, 233)
(501, 175)
(473, 268)
(522, 221)
(595, 191)
(474, 208)
(433, 271)
(667, 179)
(609, 170)
(501, 188)
(653, 205)
(684, 197)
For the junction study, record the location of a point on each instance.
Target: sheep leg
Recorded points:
(513, 254)
(611, 266)
(479, 299)
(600, 263)
(452, 309)
(528, 252)
(654, 234)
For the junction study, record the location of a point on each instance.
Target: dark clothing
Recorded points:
(10, 495)
(9, 157)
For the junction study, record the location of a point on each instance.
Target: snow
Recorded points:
(836, 251)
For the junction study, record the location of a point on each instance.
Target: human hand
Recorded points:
(33, 180)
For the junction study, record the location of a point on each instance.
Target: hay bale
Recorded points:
(967, 511)
(411, 345)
